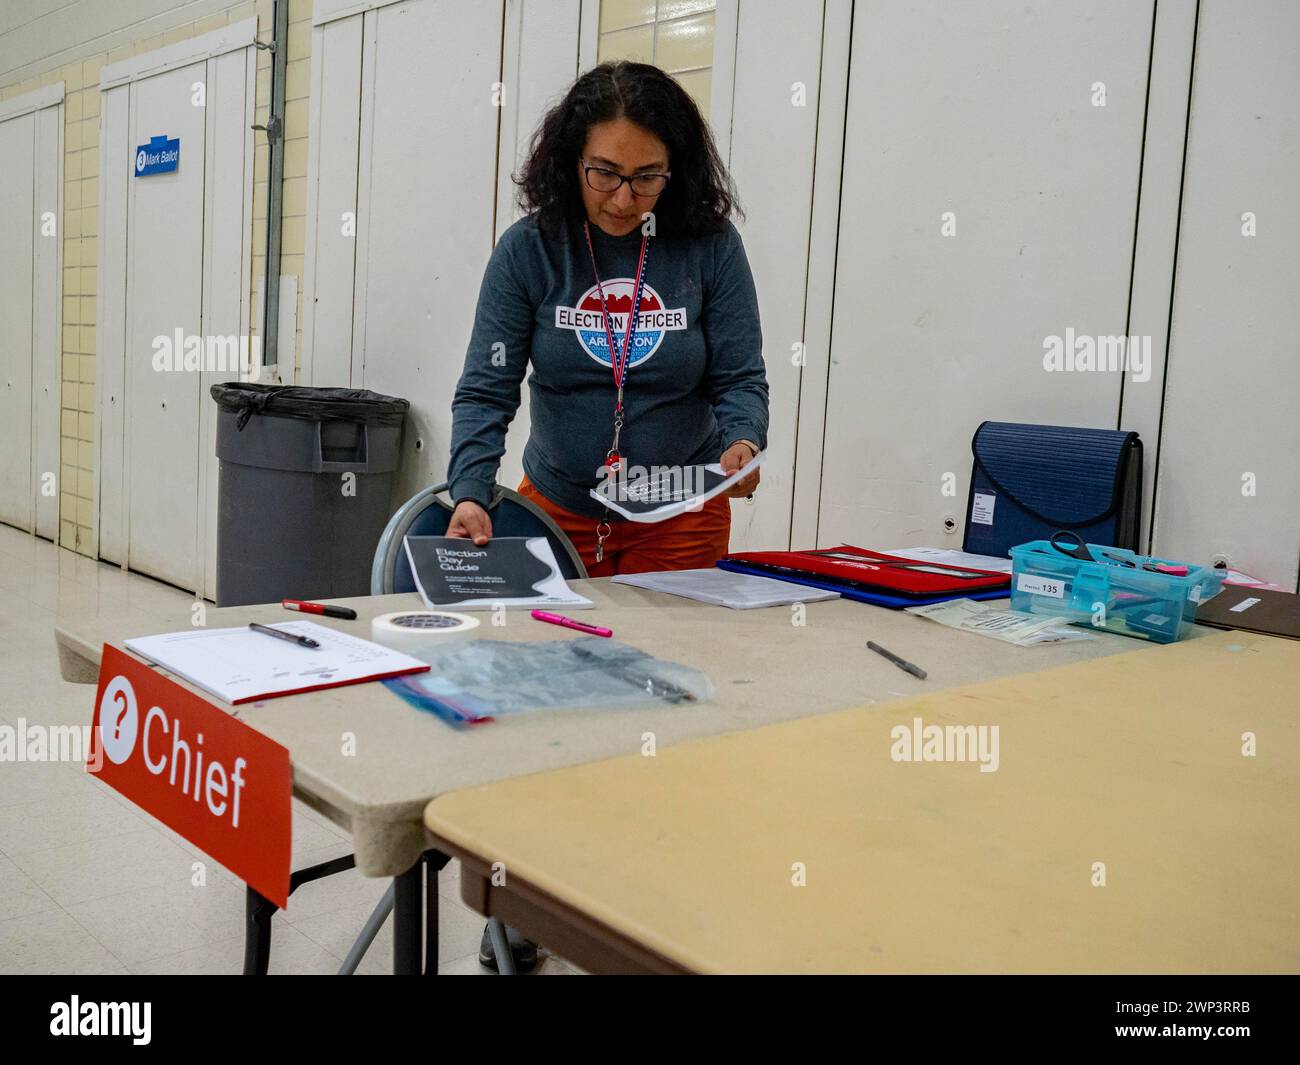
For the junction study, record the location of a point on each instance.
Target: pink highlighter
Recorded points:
(569, 623)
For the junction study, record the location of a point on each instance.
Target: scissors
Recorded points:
(1079, 550)
(1076, 549)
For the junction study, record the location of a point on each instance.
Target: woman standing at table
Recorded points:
(627, 200)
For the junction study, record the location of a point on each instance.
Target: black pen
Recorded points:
(901, 663)
(280, 634)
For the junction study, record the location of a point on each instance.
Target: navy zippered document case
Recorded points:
(1031, 481)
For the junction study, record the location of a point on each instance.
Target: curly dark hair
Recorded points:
(699, 199)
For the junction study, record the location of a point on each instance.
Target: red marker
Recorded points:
(569, 623)
(345, 612)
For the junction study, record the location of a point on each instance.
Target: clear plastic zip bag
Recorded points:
(478, 680)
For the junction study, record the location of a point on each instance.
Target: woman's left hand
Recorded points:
(732, 459)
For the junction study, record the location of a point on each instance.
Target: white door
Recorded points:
(404, 140)
(31, 182)
(175, 263)
(164, 294)
(988, 204)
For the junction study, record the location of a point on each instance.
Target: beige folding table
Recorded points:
(1144, 816)
(768, 665)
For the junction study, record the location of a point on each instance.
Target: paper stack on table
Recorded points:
(740, 591)
(943, 556)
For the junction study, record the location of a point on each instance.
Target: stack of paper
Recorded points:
(943, 556)
(740, 591)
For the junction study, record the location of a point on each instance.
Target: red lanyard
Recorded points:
(619, 359)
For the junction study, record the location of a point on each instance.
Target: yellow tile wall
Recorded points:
(675, 35)
(78, 524)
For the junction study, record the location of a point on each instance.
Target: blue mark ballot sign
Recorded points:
(159, 156)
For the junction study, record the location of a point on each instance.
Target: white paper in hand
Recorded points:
(658, 493)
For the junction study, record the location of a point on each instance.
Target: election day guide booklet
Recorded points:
(513, 571)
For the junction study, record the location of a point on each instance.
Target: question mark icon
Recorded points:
(118, 704)
(119, 696)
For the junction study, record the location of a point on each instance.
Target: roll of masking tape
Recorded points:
(409, 630)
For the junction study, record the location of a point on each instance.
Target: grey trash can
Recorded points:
(290, 523)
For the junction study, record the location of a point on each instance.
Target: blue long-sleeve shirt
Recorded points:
(695, 382)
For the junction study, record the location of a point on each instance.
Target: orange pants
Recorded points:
(693, 540)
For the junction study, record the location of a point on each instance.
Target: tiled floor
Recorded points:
(89, 883)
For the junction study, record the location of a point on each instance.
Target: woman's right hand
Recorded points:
(469, 520)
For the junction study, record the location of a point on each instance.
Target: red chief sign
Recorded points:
(222, 785)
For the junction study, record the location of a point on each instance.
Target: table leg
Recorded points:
(408, 920)
(258, 912)
(434, 860)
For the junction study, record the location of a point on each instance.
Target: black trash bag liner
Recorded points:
(310, 404)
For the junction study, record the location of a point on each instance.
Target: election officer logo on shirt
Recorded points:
(653, 321)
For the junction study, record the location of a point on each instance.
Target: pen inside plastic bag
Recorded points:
(643, 681)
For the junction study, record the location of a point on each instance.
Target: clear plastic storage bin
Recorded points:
(1110, 589)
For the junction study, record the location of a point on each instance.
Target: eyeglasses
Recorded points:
(602, 180)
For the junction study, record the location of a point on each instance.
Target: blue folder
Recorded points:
(1031, 481)
(893, 602)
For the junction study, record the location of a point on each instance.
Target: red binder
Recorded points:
(856, 567)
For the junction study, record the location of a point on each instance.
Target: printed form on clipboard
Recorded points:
(240, 665)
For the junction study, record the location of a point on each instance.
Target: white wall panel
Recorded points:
(777, 72)
(31, 258)
(820, 303)
(1232, 404)
(540, 58)
(110, 323)
(47, 317)
(17, 222)
(228, 188)
(984, 110)
(1157, 231)
(429, 151)
(330, 267)
(540, 61)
